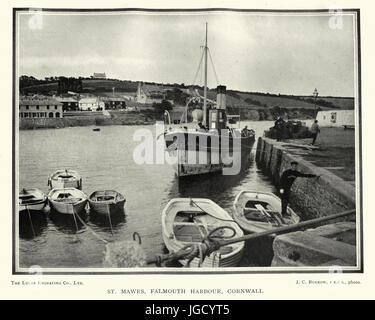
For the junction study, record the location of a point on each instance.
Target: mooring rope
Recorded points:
(109, 218)
(31, 221)
(74, 217)
(76, 224)
(90, 229)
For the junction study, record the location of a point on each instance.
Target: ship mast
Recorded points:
(205, 82)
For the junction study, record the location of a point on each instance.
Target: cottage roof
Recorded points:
(115, 99)
(39, 102)
(88, 100)
(66, 99)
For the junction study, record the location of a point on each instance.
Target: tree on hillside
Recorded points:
(26, 81)
(177, 95)
(162, 106)
(69, 84)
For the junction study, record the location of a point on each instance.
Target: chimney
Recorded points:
(221, 102)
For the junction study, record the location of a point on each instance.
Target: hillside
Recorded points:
(237, 101)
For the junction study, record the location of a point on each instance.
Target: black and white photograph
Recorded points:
(183, 141)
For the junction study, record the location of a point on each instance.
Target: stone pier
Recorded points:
(332, 244)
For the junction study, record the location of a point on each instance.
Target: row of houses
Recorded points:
(54, 107)
(91, 103)
(39, 106)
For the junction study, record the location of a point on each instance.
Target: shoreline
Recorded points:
(84, 121)
(129, 119)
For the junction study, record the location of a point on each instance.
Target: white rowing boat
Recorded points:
(31, 199)
(189, 220)
(107, 201)
(65, 179)
(67, 200)
(259, 211)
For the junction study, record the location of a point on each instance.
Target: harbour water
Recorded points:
(105, 161)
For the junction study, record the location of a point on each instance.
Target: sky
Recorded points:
(288, 54)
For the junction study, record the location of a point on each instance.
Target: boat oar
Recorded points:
(209, 245)
(289, 228)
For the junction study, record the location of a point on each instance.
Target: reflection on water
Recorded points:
(68, 223)
(32, 224)
(105, 161)
(106, 222)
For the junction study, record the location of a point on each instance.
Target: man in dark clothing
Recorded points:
(279, 123)
(315, 130)
(286, 182)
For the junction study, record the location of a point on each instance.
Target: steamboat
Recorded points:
(207, 144)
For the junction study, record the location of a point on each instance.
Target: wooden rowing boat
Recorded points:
(65, 179)
(107, 201)
(259, 211)
(67, 200)
(189, 220)
(31, 199)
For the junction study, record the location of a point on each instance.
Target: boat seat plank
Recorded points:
(181, 223)
(187, 232)
(68, 200)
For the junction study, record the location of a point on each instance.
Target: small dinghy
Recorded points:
(96, 129)
(31, 199)
(67, 200)
(260, 211)
(107, 201)
(65, 179)
(189, 220)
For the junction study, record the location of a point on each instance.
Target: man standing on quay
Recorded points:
(315, 129)
(286, 182)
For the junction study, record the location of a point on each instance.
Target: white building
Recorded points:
(99, 75)
(335, 118)
(90, 104)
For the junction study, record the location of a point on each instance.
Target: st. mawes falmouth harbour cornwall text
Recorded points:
(163, 141)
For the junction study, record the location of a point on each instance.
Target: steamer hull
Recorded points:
(204, 158)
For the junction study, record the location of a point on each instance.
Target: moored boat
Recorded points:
(260, 211)
(189, 220)
(206, 145)
(31, 199)
(107, 201)
(67, 200)
(64, 179)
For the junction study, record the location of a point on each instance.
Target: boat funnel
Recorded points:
(221, 101)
